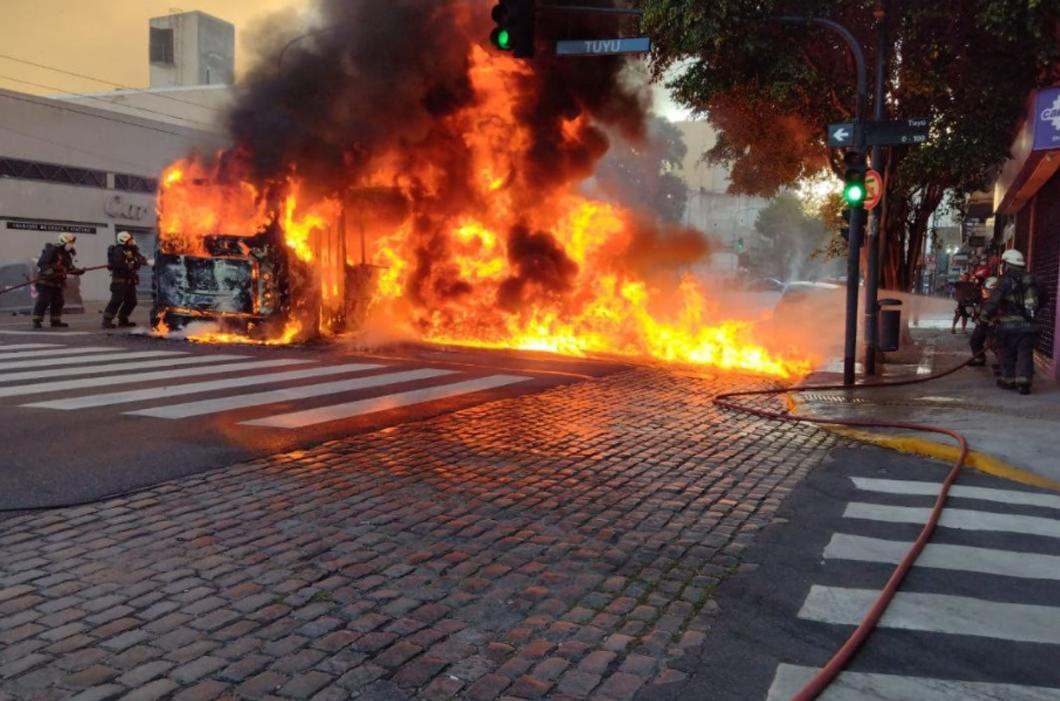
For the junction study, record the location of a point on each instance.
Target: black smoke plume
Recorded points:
(380, 75)
(377, 79)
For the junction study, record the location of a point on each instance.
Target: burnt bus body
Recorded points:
(255, 286)
(242, 283)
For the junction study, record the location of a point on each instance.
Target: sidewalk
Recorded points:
(1005, 430)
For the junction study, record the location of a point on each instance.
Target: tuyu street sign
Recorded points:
(894, 133)
(603, 47)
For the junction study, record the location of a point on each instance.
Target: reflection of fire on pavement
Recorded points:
(370, 185)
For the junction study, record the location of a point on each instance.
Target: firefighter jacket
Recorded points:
(124, 264)
(55, 264)
(1014, 301)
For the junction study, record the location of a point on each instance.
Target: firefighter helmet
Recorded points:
(67, 239)
(1013, 257)
(124, 237)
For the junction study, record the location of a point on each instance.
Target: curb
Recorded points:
(982, 462)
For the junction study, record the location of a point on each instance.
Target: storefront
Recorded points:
(1027, 206)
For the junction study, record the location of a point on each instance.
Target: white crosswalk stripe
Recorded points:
(52, 373)
(946, 557)
(42, 332)
(126, 379)
(310, 417)
(51, 352)
(1007, 516)
(140, 395)
(242, 401)
(7, 348)
(938, 613)
(861, 686)
(1002, 496)
(966, 519)
(80, 360)
(162, 375)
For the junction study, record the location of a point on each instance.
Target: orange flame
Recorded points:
(457, 273)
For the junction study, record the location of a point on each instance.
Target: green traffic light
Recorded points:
(854, 193)
(504, 40)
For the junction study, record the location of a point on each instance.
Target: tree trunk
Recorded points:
(929, 202)
(894, 242)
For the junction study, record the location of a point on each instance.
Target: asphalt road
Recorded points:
(974, 619)
(87, 413)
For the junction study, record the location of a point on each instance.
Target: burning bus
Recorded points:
(252, 265)
(447, 197)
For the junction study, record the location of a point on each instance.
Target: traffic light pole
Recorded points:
(872, 275)
(857, 212)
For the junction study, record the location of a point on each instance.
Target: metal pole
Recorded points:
(857, 213)
(872, 275)
(300, 37)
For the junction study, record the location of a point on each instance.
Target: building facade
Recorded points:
(89, 164)
(711, 208)
(191, 49)
(84, 170)
(1027, 208)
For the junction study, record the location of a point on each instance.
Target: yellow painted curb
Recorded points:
(978, 461)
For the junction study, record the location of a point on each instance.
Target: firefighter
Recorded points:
(56, 262)
(123, 261)
(1014, 306)
(983, 336)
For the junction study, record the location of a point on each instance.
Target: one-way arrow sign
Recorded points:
(841, 135)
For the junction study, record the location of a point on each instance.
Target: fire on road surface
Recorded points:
(445, 198)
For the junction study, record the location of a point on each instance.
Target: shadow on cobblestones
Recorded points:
(562, 545)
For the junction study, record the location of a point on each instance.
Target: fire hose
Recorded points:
(839, 660)
(37, 279)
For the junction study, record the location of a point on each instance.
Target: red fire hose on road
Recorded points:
(37, 279)
(839, 660)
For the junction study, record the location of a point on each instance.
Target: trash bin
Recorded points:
(890, 324)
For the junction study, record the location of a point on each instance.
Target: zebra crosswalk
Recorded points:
(278, 393)
(985, 585)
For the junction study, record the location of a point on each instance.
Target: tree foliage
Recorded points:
(642, 174)
(770, 88)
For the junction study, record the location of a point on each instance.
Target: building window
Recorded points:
(52, 173)
(134, 183)
(161, 46)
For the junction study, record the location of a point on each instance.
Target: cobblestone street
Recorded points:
(562, 545)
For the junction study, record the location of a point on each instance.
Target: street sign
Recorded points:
(873, 189)
(897, 133)
(841, 135)
(903, 131)
(603, 47)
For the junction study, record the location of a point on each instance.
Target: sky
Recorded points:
(101, 38)
(107, 39)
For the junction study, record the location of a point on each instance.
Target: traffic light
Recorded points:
(515, 27)
(739, 245)
(854, 180)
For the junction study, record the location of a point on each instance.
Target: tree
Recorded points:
(770, 89)
(789, 239)
(641, 175)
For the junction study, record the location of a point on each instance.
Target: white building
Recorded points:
(711, 208)
(91, 166)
